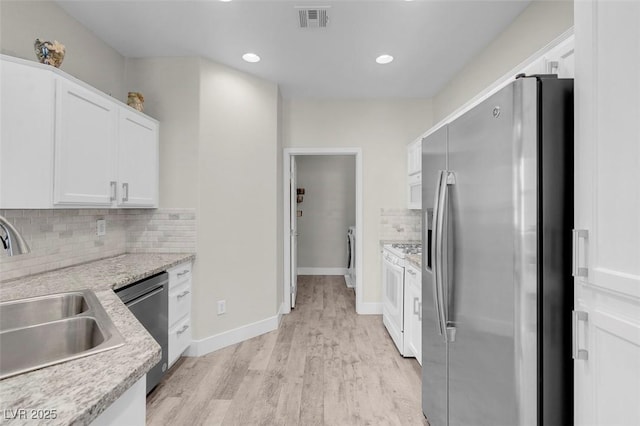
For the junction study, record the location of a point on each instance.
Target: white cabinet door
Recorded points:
(415, 192)
(414, 157)
(180, 284)
(137, 160)
(27, 102)
(607, 206)
(412, 313)
(85, 144)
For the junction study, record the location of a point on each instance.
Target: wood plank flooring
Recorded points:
(325, 365)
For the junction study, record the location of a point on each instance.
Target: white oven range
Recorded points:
(393, 261)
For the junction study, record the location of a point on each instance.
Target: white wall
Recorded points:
(171, 88)
(540, 23)
(87, 57)
(328, 209)
(238, 199)
(382, 129)
(219, 153)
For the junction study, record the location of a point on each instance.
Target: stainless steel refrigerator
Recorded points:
(496, 280)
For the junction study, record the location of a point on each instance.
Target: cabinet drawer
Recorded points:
(179, 274)
(179, 339)
(179, 302)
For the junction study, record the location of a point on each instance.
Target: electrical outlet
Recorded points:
(222, 307)
(101, 227)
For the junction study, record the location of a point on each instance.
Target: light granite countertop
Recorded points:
(415, 260)
(81, 389)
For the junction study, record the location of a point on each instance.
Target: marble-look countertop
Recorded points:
(415, 260)
(81, 389)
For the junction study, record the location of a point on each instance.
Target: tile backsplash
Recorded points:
(60, 238)
(400, 225)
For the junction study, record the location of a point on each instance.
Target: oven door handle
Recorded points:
(153, 292)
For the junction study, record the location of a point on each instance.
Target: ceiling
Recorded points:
(430, 40)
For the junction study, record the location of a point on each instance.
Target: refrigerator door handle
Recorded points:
(440, 253)
(443, 267)
(434, 251)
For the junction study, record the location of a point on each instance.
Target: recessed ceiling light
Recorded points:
(225, 1)
(251, 57)
(384, 59)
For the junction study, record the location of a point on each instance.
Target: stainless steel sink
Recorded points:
(48, 330)
(38, 310)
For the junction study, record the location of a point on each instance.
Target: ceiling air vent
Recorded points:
(313, 17)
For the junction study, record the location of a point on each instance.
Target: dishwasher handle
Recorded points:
(152, 292)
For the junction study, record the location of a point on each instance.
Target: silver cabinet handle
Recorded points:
(577, 234)
(576, 351)
(125, 192)
(183, 294)
(113, 190)
(179, 274)
(182, 330)
(420, 311)
(411, 272)
(415, 306)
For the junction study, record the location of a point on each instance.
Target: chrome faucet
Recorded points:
(13, 241)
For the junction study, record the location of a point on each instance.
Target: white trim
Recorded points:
(287, 153)
(231, 337)
(370, 308)
(280, 314)
(349, 281)
(322, 271)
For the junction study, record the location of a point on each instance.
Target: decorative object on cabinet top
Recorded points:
(135, 100)
(49, 53)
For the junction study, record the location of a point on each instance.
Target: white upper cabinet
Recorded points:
(27, 98)
(414, 157)
(85, 145)
(414, 179)
(137, 160)
(66, 144)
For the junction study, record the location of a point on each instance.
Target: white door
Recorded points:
(137, 160)
(84, 172)
(607, 201)
(293, 231)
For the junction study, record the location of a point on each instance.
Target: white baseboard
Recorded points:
(322, 271)
(280, 313)
(350, 283)
(231, 337)
(368, 308)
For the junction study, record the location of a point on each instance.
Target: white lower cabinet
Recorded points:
(180, 281)
(129, 409)
(413, 312)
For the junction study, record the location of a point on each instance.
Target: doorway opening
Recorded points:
(293, 207)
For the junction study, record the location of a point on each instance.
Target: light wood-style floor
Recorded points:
(325, 365)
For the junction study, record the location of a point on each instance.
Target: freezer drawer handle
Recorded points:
(415, 307)
(578, 271)
(577, 352)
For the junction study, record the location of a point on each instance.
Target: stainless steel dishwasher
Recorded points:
(148, 301)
